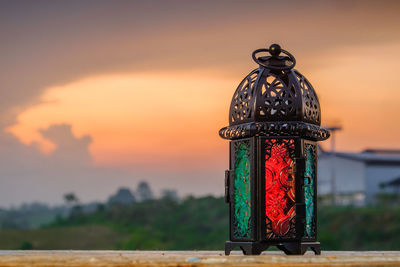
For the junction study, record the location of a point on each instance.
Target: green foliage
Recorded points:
(385, 199)
(26, 245)
(76, 237)
(29, 216)
(71, 199)
(198, 223)
(359, 228)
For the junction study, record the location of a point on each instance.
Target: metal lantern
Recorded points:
(271, 184)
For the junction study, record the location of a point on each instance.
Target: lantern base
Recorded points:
(290, 248)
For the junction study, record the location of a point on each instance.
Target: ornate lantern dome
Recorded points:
(274, 99)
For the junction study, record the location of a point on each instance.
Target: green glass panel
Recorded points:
(242, 192)
(309, 190)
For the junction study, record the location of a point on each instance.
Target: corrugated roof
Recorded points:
(390, 157)
(383, 151)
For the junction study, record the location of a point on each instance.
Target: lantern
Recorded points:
(271, 184)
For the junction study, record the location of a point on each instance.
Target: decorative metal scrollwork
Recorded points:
(242, 107)
(311, 109)
(277, 100)
(301, 129)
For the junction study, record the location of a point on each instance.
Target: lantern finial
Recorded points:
(274, 61)
(275, 50)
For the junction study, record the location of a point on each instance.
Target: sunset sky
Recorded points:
(101, 94)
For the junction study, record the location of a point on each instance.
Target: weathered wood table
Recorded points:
(194, 258)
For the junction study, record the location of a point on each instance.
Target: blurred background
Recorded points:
(110, 111)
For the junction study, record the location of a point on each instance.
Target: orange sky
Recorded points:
(172, 118)
(151, 82)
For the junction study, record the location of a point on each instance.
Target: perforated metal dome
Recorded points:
(274, 96)
(266, 95)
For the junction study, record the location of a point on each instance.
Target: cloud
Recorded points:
(54, 43)
(28, 175)
(69, 149)
(48, 43)
(171, 121)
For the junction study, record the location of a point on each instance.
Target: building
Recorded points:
(357, 178)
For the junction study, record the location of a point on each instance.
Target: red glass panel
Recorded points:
(279, 188)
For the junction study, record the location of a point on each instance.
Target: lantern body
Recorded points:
(271, 184)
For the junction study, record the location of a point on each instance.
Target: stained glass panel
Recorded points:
(279, 188)
(242, 191)
(309, 189)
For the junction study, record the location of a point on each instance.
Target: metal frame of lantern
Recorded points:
(271, 184)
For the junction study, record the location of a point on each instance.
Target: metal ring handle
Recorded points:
(273, 67)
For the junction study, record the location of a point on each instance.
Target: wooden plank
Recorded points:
(194, 258)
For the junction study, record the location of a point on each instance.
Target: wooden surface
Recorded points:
(194, 258)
